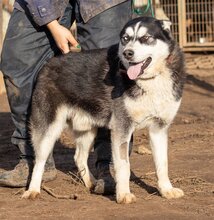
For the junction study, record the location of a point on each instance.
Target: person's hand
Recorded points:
(62, 36)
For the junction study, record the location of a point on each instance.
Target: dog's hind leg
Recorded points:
(84, 142)
(120, 153)
(159, 145)
(43, 142)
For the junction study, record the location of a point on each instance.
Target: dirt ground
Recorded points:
(191, 165)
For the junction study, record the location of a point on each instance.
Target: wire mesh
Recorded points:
(199, 21)
(193, 24)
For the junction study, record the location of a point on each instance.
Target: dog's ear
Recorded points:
(166, 24)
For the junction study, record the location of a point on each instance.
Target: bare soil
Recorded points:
(191, 165)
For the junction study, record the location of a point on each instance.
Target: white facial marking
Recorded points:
(142, 31)
(130, 31)
(136, 29)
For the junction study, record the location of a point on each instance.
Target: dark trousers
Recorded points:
(27, 48)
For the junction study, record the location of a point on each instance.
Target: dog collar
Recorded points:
(145, 79)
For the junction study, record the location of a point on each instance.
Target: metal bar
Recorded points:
(195, 20)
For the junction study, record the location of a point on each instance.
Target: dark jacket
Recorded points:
(45, 11)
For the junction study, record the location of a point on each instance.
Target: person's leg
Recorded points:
(25, 50)
(103, 31)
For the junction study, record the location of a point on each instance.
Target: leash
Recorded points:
(140, 11)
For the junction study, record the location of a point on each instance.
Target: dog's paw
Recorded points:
(89, 185)
(126, 198)
(30, 195)
(172, 193)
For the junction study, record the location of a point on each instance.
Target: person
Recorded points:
(37, 31)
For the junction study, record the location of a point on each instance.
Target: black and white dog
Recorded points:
(135, 84)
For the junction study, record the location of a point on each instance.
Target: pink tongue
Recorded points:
(134, 71)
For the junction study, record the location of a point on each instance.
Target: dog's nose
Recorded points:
(128, 54)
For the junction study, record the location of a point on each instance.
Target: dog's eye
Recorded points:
(125, 39)
(144, 39)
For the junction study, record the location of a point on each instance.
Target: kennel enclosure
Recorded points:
(192, 23)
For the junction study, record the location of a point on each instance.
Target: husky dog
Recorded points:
(135, 84)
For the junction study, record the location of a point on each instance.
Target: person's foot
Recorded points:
(20, 176)
(105, 184)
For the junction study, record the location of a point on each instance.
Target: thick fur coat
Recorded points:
(135, 84)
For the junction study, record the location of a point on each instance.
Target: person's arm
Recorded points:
(62, 36)
(47, 13)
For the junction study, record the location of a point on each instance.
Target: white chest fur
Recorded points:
(157, 102)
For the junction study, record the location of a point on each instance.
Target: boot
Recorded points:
(20, 176)
(105, 184)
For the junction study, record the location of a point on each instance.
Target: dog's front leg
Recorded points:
(159, 145)
(120, 153)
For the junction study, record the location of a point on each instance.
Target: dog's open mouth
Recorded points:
(137, 69)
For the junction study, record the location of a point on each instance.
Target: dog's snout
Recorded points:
(128, 54)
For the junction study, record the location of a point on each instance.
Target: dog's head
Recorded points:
(145, 42)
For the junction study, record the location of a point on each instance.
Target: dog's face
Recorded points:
(144, 43)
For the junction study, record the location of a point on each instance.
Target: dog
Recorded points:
(133, 85)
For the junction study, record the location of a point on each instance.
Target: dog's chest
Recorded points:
(156, 104)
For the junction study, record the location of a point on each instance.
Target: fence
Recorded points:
(193, 23)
